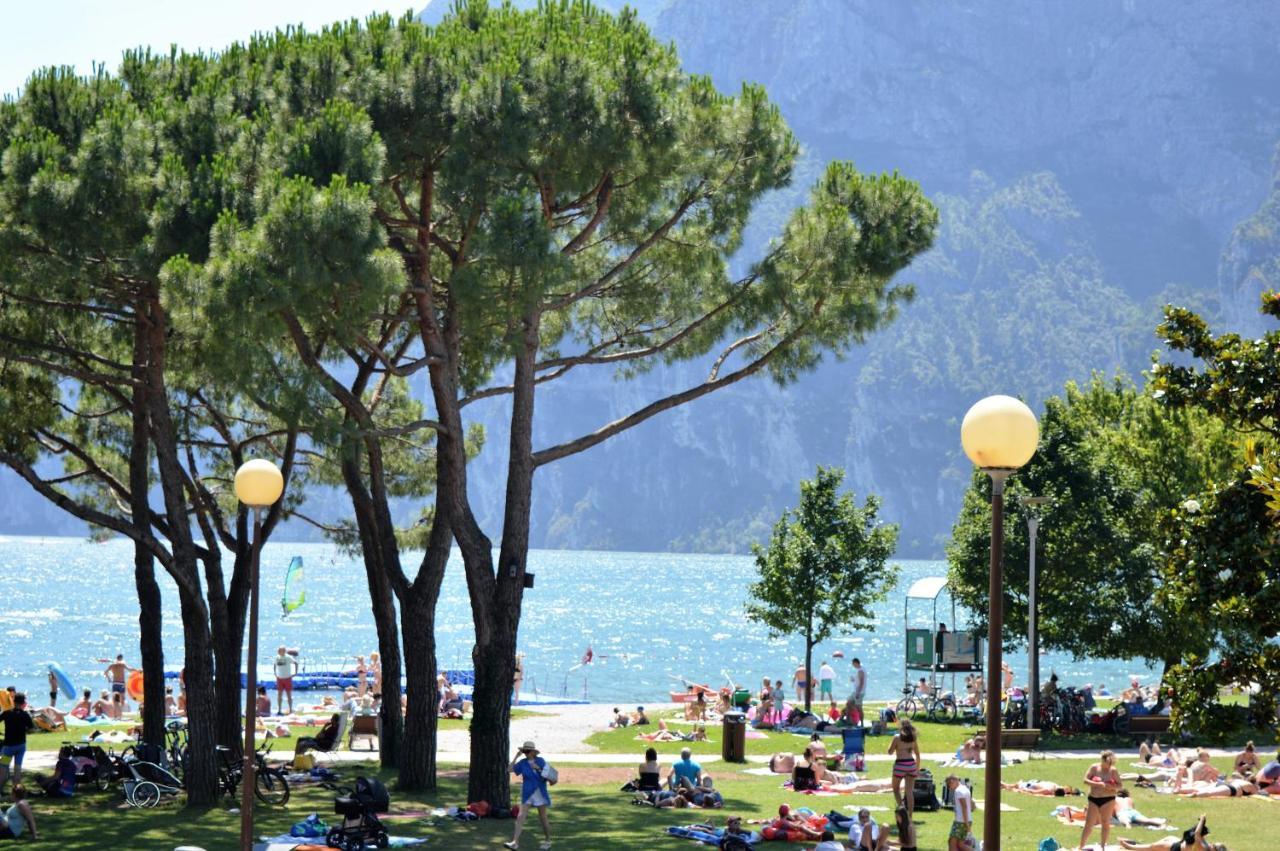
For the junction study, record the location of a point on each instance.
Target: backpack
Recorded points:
(734, 842)
(926, 792)
(1049, 844)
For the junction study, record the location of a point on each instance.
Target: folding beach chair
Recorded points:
(855, 742)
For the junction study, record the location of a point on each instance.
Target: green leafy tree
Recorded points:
(99, 189)
(824, 568)
(1111, 461)
(1223, 545)
(553, 194)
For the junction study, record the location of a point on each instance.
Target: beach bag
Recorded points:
(550, 775)
(304, 762)
(1049, 844)
(480, 808)
(309, 827)
(926, 792)
(734, 842)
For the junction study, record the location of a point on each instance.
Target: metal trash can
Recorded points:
(734, 746)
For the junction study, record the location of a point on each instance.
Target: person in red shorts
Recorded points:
(285, 666)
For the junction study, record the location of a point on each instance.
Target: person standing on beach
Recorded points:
(17, 722)
(803, 683)
(533, 793)
(285, 666)
(115, 674)
(53, 689)
(362, 677)
(517, 680)
(826, 682)
(859, 687)
(375, 672)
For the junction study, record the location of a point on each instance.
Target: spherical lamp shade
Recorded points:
(259, 483)
(999, 432)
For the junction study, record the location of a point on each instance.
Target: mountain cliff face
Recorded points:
(1092, 160)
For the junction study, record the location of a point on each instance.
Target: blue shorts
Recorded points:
(117, 687)
(15, 751)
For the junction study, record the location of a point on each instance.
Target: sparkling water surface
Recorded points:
(649, 618)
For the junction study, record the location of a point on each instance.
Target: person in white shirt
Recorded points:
(866, 835)
(826, 681)
(859, 686)
(286, 665)
(962, 800)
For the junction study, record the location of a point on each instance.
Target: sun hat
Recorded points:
(529, 746)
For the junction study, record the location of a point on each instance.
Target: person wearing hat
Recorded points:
(533, 792)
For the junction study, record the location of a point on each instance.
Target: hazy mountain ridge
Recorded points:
(1089, 158)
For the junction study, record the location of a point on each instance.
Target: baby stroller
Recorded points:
(148, 782)
(359, 808)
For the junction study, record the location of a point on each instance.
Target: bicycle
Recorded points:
(909, 705)
(177, 746)
(940, 708)
(270, 785)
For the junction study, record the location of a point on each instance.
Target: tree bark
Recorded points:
(150, 607)
(418, 750)
(497, 612)
(379, 547)
(201, 779)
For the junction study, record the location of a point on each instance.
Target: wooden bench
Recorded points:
(1141, 726)
(366, 727)
(1023, 740)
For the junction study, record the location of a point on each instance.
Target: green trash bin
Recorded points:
(742, 698)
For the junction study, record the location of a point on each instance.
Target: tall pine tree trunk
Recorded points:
(201, 777)
(497, 617)
(381, 556)
(150, 607)
(418, 751)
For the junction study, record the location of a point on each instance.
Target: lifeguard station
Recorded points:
(927, 649)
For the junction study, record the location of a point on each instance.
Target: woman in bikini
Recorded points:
(906, 764)
(1247, 762)
(1226, 788)
(1103, 782)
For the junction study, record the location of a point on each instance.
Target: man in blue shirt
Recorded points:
(684, 772)
(533, 792)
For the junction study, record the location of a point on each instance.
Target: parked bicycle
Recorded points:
(935, 707)
(270, 785)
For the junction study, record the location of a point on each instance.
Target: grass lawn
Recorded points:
(934, 738)
(590, 814)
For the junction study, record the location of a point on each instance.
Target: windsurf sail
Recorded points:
(294, 594)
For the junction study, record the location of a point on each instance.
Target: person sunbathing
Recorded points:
(1201, 771)
(1247, 764)
(84, 708)
(1222, 788)
(1191, 840)
(883, 784)
(969, 752)
(803, 776)
(789, 821)
(1043, 788)
(1127, 814)
(1150, 750)
(662, 734)
(782, 763)
(323, 741)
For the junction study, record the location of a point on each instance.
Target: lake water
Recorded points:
(649, 618)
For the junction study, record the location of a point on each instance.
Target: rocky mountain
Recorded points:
(1092, 160)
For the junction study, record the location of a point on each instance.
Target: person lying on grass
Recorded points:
(1192, 840)
(1228, 788)
(1044, 788)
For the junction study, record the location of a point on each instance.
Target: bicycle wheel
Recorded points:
(271, 787)
(145, 795)
(943, 710)
(906, 706)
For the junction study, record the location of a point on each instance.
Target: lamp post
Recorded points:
(258, 485)
(999, 434)
(1033, 651)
